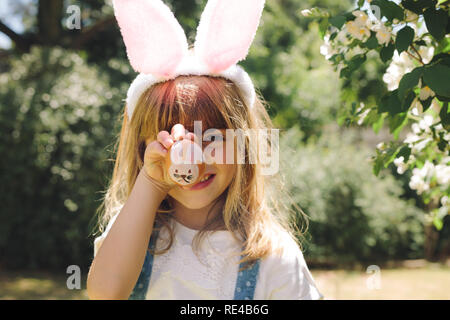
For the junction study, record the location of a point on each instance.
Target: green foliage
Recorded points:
(404, 39)
(436, 21)
(417, 6)
(418, 78)
(437, 78)
(409, 81)
(445, 116)
(387, 52)
(337, 21)
(352, 65)
(354, 216)
(293, 93)
(285, 64)
(58, 116)
(389, 9)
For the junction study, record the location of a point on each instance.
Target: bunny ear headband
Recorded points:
(157, 46)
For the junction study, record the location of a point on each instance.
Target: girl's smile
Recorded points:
(212, 184)
(204, 182)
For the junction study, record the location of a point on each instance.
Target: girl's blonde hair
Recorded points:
(249, 210)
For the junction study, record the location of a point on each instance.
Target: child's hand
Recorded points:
(156, 152)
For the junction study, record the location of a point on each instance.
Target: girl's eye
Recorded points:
(176, 170)
(189, 171)
(213, 138)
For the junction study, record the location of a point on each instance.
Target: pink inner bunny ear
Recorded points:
(154, 39)
(226, 31)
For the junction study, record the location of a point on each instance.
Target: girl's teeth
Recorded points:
(205, 178)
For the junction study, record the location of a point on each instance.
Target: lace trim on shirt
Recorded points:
(212, 269)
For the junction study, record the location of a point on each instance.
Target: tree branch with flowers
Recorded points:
(412, 37)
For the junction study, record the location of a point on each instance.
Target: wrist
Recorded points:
(160, 187)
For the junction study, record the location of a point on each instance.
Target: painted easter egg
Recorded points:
(184, 162)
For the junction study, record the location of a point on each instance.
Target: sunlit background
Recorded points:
(61, 92)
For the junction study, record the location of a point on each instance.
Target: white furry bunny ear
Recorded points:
(155, 41)
(226, 31)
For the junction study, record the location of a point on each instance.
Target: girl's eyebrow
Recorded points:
(216, 131)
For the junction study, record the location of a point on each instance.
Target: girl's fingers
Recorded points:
(190, 136)
(165, 139)
(156, 150)
(178, 131)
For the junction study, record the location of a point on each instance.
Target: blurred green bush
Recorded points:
(354, 216)
(58, 117)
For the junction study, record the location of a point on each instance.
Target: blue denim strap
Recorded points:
(246, 281)
(140, 289)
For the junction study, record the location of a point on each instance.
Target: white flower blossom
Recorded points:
(415, 140)
(443, 174)
(416, 107)
(362, 115)
(362, 19)
(416, 183)
(356, 30)
(425, 123)
(416, 128)
(400, 65)
(306, 12)
(420, 177)
(341, 36)
(411, 138)
(401, 165)
(381, 146)
(383, 33)
(445, 201)
(326, 49)
(427, 53)
(447, 136)
(422, 144)
(427, 170)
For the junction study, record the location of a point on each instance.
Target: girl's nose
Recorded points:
(183, 176)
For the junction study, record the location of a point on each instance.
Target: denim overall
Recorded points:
(245, 282)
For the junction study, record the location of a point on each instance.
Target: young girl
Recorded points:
(221, 238)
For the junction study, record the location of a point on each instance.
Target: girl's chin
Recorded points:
(194, 203)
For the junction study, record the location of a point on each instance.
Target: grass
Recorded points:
(429, 281)
(38, 286)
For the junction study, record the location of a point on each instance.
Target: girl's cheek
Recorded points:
(231, 171)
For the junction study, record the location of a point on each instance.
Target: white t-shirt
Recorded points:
(179, 274)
